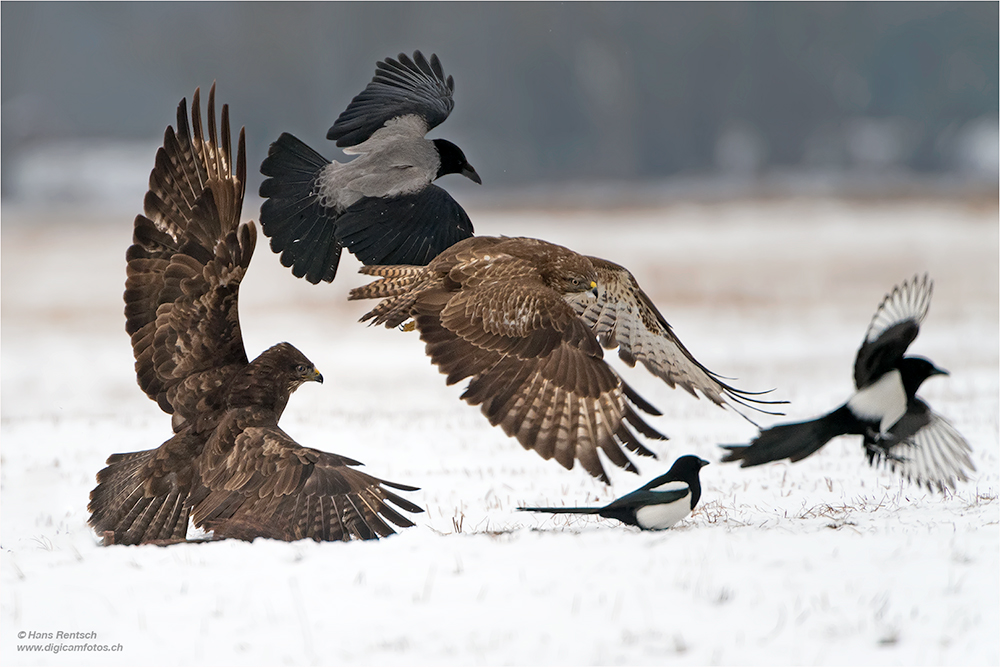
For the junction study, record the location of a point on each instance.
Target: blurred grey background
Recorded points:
(677, 97)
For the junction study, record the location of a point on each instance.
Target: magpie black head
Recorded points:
(914, 370)
(453, 161)
(685, 469)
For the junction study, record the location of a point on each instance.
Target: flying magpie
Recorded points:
(899, 429)
(382, 205)
(655, 506)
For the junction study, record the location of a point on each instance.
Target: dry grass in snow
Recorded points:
(822, 562)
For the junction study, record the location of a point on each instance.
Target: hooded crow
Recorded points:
(382, 205)
(655, 506)
(899, 429)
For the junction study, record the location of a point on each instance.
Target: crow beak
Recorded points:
(470, 173)
(939, 371)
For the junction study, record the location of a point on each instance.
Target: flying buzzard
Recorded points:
(228, 466)
(383, 205)
(526, 321)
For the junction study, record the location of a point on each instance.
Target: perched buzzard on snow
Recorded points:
(228, 466)
(525, 320)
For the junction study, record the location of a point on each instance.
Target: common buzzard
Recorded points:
(383, 205)
(526, 321)
(228, 466)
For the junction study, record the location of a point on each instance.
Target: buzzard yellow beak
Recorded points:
(593, 289)
(316, 376)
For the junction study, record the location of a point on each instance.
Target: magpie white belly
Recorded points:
(659, 517)
(883, 400)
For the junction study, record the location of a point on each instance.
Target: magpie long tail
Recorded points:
(562, 510)
(791, 441)
(300, 228)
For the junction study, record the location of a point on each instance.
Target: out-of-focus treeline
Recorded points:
(546, 93)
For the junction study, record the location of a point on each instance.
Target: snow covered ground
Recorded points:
(822, 562)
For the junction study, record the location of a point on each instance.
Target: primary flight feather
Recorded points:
(525, 321)
(228, 466)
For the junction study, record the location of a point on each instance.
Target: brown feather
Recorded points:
(494, 310)
(228, 467)
(624, 316)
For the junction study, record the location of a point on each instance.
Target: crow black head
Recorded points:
(453, 161)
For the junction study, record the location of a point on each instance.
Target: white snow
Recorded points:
(821, 562)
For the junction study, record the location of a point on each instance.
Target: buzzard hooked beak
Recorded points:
(316, 376)
(594, 290)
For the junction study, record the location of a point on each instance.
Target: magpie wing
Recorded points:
(927, 450)
(894, 326)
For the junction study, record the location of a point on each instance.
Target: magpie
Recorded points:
(899, 430)
(382, 205)
(657, 505)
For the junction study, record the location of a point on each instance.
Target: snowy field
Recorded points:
(822, 562)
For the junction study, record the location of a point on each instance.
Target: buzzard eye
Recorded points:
(300, 369)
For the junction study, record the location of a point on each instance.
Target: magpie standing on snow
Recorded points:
(655, 506)
(899, 429)
(382, 205)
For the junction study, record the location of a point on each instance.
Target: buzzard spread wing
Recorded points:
(535, 368)
(258, 482)
(189, 254)
(623, 316)
(142, 497)
(188, 257)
